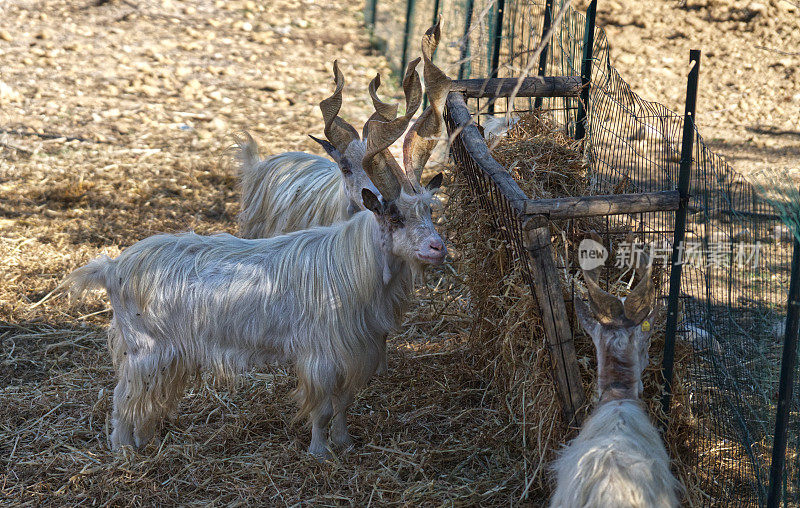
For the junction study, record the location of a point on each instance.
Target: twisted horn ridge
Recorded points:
(339, 132)
(641, 300)
(427, 130)
(610, 310)
(384, 111)
(378, 162)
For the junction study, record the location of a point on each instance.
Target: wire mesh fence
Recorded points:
(736, 253)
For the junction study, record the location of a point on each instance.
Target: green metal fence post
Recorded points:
(406, 33)
(548, 14)
(498, 41)
(373, 9)
(586, 71)
(463, 69)
(687, 146)
(788, 363)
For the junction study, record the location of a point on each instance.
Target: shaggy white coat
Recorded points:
(288, 192)
(320, 299)
(617, 460)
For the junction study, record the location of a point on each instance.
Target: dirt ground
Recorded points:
(748, 104)
(115, 117)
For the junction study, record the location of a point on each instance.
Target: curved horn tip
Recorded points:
(338, 76)
(435, 29)
(375, 83)
(412, 66)
(430, 41)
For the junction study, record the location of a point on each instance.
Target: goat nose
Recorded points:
(436, 245)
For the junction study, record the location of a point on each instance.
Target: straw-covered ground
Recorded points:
(153, 91)
(115, 119)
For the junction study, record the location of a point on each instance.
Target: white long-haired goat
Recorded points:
(320, 299)
(297, 190)
(618, 459)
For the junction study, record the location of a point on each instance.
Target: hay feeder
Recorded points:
(524, 225)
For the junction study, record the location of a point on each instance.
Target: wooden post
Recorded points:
(498, 41)
(553, 86)
(464, 68)
(550, 297)
(547, 284)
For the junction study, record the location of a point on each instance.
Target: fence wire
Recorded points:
(737, 254)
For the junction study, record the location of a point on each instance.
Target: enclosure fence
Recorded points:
(736, 252)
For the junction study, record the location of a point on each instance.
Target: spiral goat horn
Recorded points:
(339, 132)
(378, 162)
(427, 130)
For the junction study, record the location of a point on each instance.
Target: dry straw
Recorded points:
(467, 414)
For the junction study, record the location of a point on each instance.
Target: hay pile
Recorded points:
(506, 338)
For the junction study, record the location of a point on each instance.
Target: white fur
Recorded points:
(316, 299)
(288, 192)
(617, 460)
(296, 190)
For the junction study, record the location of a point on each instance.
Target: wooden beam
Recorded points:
(589, 206)
(476, 146)
(535, 86)
(550, 297)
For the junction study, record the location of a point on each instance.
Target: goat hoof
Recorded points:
(322, 454)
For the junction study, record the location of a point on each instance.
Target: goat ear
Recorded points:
(329, 149)
(589, 324)
(371, 202)
(435, 182)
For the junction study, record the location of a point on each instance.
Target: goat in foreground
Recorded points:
(321, 299)
(295, 190)
(618, 459)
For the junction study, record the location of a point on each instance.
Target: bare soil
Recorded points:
(748, 104)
